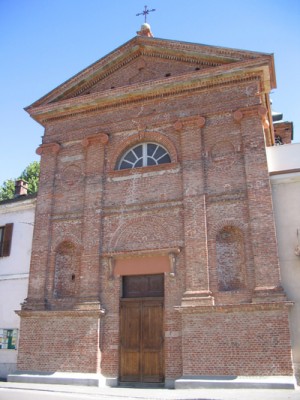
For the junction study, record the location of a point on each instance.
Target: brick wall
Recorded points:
(212, 202)
(59, 342)
(240, 342)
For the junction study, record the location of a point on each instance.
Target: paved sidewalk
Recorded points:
(108, 393)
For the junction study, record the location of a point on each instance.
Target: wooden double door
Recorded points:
(141, 330)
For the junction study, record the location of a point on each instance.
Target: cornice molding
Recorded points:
(105, 74)
(200, 54)
(144, 52)
(142, 253)
(10, 277)
(184, 84)
(19, 205)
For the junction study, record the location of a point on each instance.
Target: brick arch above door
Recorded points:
(145, 232)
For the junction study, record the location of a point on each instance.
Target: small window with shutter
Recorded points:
(5, 239)
(8, 339)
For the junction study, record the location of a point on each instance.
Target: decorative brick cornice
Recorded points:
(145, 53)
(100, 137)
(143, 253)
(214, 65)
(52, 148)
(210, 56)
(133, 94)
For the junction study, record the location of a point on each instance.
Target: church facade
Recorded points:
(154, 252)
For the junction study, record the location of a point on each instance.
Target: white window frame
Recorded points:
(144, 157)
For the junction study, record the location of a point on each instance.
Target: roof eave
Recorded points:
(161, 46)
(146, 90)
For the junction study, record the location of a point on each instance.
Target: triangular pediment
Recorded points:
(145, 59)
(142, 69)
(144, 65)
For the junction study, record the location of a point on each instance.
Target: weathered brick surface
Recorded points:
(60, 342)
(226, 343)
(212, 201)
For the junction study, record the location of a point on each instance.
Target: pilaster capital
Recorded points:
(100, 137)
(48, 148)
(195, 119)
(201, 121)
(178, 125)
(262, 111)
(238, 115)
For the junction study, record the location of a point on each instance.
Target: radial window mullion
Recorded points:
(145, 154)
(153, 155)
(157, 159)
(138, 156)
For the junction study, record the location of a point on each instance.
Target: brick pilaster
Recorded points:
(40, 249)
(195, 234)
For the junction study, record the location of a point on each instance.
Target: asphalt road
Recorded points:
(9, 391)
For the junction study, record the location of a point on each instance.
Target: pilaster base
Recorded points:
(274, 294)
(197, 298)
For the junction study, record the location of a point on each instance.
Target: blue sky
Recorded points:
(45, 42)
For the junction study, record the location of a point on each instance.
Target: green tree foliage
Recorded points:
(30, 175)
(7, 190)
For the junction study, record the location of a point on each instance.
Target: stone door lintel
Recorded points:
(142, 262)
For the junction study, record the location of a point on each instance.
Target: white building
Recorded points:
(284, 169)
(16, 229)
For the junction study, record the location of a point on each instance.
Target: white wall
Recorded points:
(283, 158)
(14, 271)
(286, 202)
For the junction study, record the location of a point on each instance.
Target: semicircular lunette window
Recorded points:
(144, 155)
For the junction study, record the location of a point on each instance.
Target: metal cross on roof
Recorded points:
(145, 12)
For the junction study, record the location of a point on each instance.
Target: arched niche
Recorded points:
(66, 270)
(230, 252)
